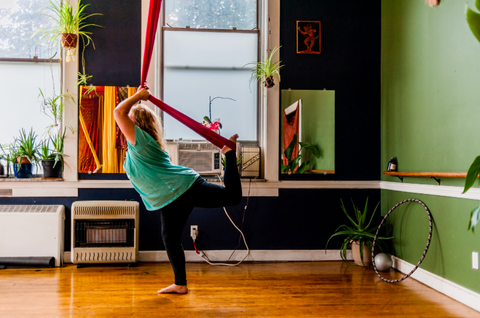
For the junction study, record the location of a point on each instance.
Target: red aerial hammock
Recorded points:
(213, 137)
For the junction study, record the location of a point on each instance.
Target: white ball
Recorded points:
(383, 262)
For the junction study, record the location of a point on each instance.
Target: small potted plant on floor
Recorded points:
(359, 235)
(26, 151)
(265, 71)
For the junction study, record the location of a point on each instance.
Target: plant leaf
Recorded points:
(348, 216)
(310, 147)
(472, 173)
(474, 218)
(289, 151)
(473, 20)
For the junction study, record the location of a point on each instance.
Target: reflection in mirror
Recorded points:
(308, 131)
(101, 145)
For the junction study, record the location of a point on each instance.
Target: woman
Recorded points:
(174, 190)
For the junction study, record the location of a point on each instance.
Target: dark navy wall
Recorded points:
(349, 64)
(296, 219)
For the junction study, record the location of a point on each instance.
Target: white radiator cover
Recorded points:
(104, 210)
(32, 231)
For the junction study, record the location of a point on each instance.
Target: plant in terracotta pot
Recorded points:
(359, 235)
(70, 24)
(26, 152)
(264, 71)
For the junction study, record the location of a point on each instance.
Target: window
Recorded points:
(25, 67)
(207, 44)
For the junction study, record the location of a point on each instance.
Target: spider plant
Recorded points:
(9, 156)
(67, 20)
(54, 107)
(265, 71)
(45, 153)
(358, 230)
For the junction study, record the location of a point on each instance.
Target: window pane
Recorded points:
(199, 65)
(211, 14)
(20, 104)
(189, 92)
(19, 20)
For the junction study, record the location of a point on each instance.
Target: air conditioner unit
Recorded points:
(201, 156)
(32, 231)
(105, 232)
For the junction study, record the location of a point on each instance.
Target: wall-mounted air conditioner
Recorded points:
(201, 156)
(105, 232)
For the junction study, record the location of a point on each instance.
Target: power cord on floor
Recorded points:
(204, 255)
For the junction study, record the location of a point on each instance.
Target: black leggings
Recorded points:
(202, 195)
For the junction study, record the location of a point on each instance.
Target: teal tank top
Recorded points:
(156, 179)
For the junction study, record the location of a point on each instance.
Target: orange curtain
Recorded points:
(110, 156)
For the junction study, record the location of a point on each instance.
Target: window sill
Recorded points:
(39, 179)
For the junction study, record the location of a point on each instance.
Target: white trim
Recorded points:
(451, 289)
(256, 189)
(255, 256)
(438, 190)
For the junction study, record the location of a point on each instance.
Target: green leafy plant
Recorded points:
(358, 230)
(54, 107)
(264, 71)
(473, 20)
(291, 166)
(26, 147)
(224, 161)
(9, 156)
(45, 153)
(58, 141)
(67, 20)
(472, 175)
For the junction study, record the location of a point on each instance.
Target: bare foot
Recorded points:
(226, 149)
(174, 289)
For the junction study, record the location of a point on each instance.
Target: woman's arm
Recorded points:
(123, 109)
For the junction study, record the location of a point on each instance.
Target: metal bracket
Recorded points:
(399, 177)
(438, 180)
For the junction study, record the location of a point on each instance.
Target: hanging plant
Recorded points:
(70, 24)
(265, 70)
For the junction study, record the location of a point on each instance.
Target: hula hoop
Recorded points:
(426, 248)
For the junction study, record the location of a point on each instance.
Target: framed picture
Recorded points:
(309, 37)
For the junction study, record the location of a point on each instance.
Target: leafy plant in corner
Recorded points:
(291, 166)
(358, 230)
(473, 20)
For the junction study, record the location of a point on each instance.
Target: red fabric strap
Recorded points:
(152, 23)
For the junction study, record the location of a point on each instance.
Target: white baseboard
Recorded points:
(255, 256)
(451, 289)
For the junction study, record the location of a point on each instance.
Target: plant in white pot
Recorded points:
(359, 235)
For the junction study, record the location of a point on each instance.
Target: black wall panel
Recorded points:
(349, 63)
(116, 60)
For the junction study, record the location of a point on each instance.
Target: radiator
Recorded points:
(104, 232)
(32, 230)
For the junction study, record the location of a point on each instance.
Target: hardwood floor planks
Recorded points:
(307, 289)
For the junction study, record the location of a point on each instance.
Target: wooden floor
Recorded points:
(311, 289)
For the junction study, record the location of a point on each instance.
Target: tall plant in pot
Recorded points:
(359, 235)
(26, 152)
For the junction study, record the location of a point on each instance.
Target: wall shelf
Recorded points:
(433, 175)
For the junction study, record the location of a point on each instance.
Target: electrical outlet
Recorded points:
(193, 231)
(475, 260)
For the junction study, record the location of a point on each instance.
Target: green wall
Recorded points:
(451, 247)
(430, 111)
(430, 89)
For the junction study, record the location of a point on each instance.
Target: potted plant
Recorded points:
(26, 151)
(9, 157)
(292, 162)
(50, 167)
(359, 235)
(57, 154)
(70, 25)
(265, 71)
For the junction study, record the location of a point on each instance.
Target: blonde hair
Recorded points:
(149, 122)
